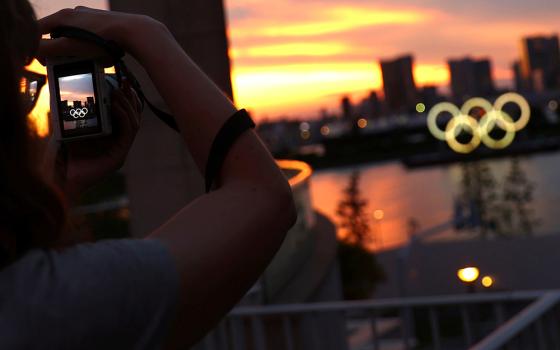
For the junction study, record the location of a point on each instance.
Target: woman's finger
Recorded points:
(71, 48)
(65, 17)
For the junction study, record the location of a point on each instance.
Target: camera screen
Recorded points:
(78, 105)
(33, 90)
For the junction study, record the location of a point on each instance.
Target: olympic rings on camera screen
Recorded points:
(78, 112)
(489, 116)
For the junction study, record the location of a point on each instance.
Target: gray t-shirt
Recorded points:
(114, 294)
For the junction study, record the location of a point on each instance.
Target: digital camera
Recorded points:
(80, 102)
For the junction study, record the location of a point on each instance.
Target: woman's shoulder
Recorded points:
(89, 287)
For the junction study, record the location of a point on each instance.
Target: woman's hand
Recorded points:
(81, 164)
(133, 33)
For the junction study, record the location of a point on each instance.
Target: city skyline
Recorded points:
(294, 63)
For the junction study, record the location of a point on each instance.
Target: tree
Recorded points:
(353, 214)
(359, 269)
(517, 198)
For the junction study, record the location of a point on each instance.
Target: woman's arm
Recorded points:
(222, 241)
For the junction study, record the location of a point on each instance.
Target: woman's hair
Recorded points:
(32, 213)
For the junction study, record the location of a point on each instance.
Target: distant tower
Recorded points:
(398, 84)
(161, 176)
(429, 95)
(521, 84)
(470, 78)
(540, 63)
(374, 105)
(347, 108)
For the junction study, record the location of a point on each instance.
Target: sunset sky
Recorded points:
(76, 87)
(294, 57)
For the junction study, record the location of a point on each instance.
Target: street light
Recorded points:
(468, 275)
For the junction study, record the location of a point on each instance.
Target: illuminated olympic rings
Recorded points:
(493, 116)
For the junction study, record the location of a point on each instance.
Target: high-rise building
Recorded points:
(374, 105)
(91, 104)
(398, 84)
(470, 78)
(540, 63)
(346, 108)
(428, 95)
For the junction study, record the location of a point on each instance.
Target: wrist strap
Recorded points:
(236, 125)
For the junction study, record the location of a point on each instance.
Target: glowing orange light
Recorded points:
(362, 123)
(487, 281)
(325, 130)
(39, 116)
(468, 274)
(378, 214)
(304, 170)
(306, 135)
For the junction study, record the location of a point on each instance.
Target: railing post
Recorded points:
(316, 342)
(374, 335)
(466, 325)
(541, 341)
(221, 336)
(406, 326)
(553, 327)
(434, 325)
(237, 330)
(257, 329)
(288, 334)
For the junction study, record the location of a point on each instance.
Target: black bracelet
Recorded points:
(236, 125)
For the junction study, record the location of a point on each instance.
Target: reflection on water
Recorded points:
(496, 208)
(422, 198)
(353, 214)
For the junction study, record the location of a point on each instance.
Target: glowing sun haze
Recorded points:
(294, 57)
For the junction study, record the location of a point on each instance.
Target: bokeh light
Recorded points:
(487, 281)
(362, 123)
(468, 274)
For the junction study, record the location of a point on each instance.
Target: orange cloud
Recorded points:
(334, 19)
(291, 49)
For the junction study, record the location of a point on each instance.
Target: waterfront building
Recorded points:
(470, 77)
(398, 84)
(540, 63)
(347, 108)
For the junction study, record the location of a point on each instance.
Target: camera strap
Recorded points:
(236, 125)
(117, 54)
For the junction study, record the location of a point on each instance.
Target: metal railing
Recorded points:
(439, 322)
(535, 327)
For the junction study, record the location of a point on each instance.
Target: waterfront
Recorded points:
(427, 195)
